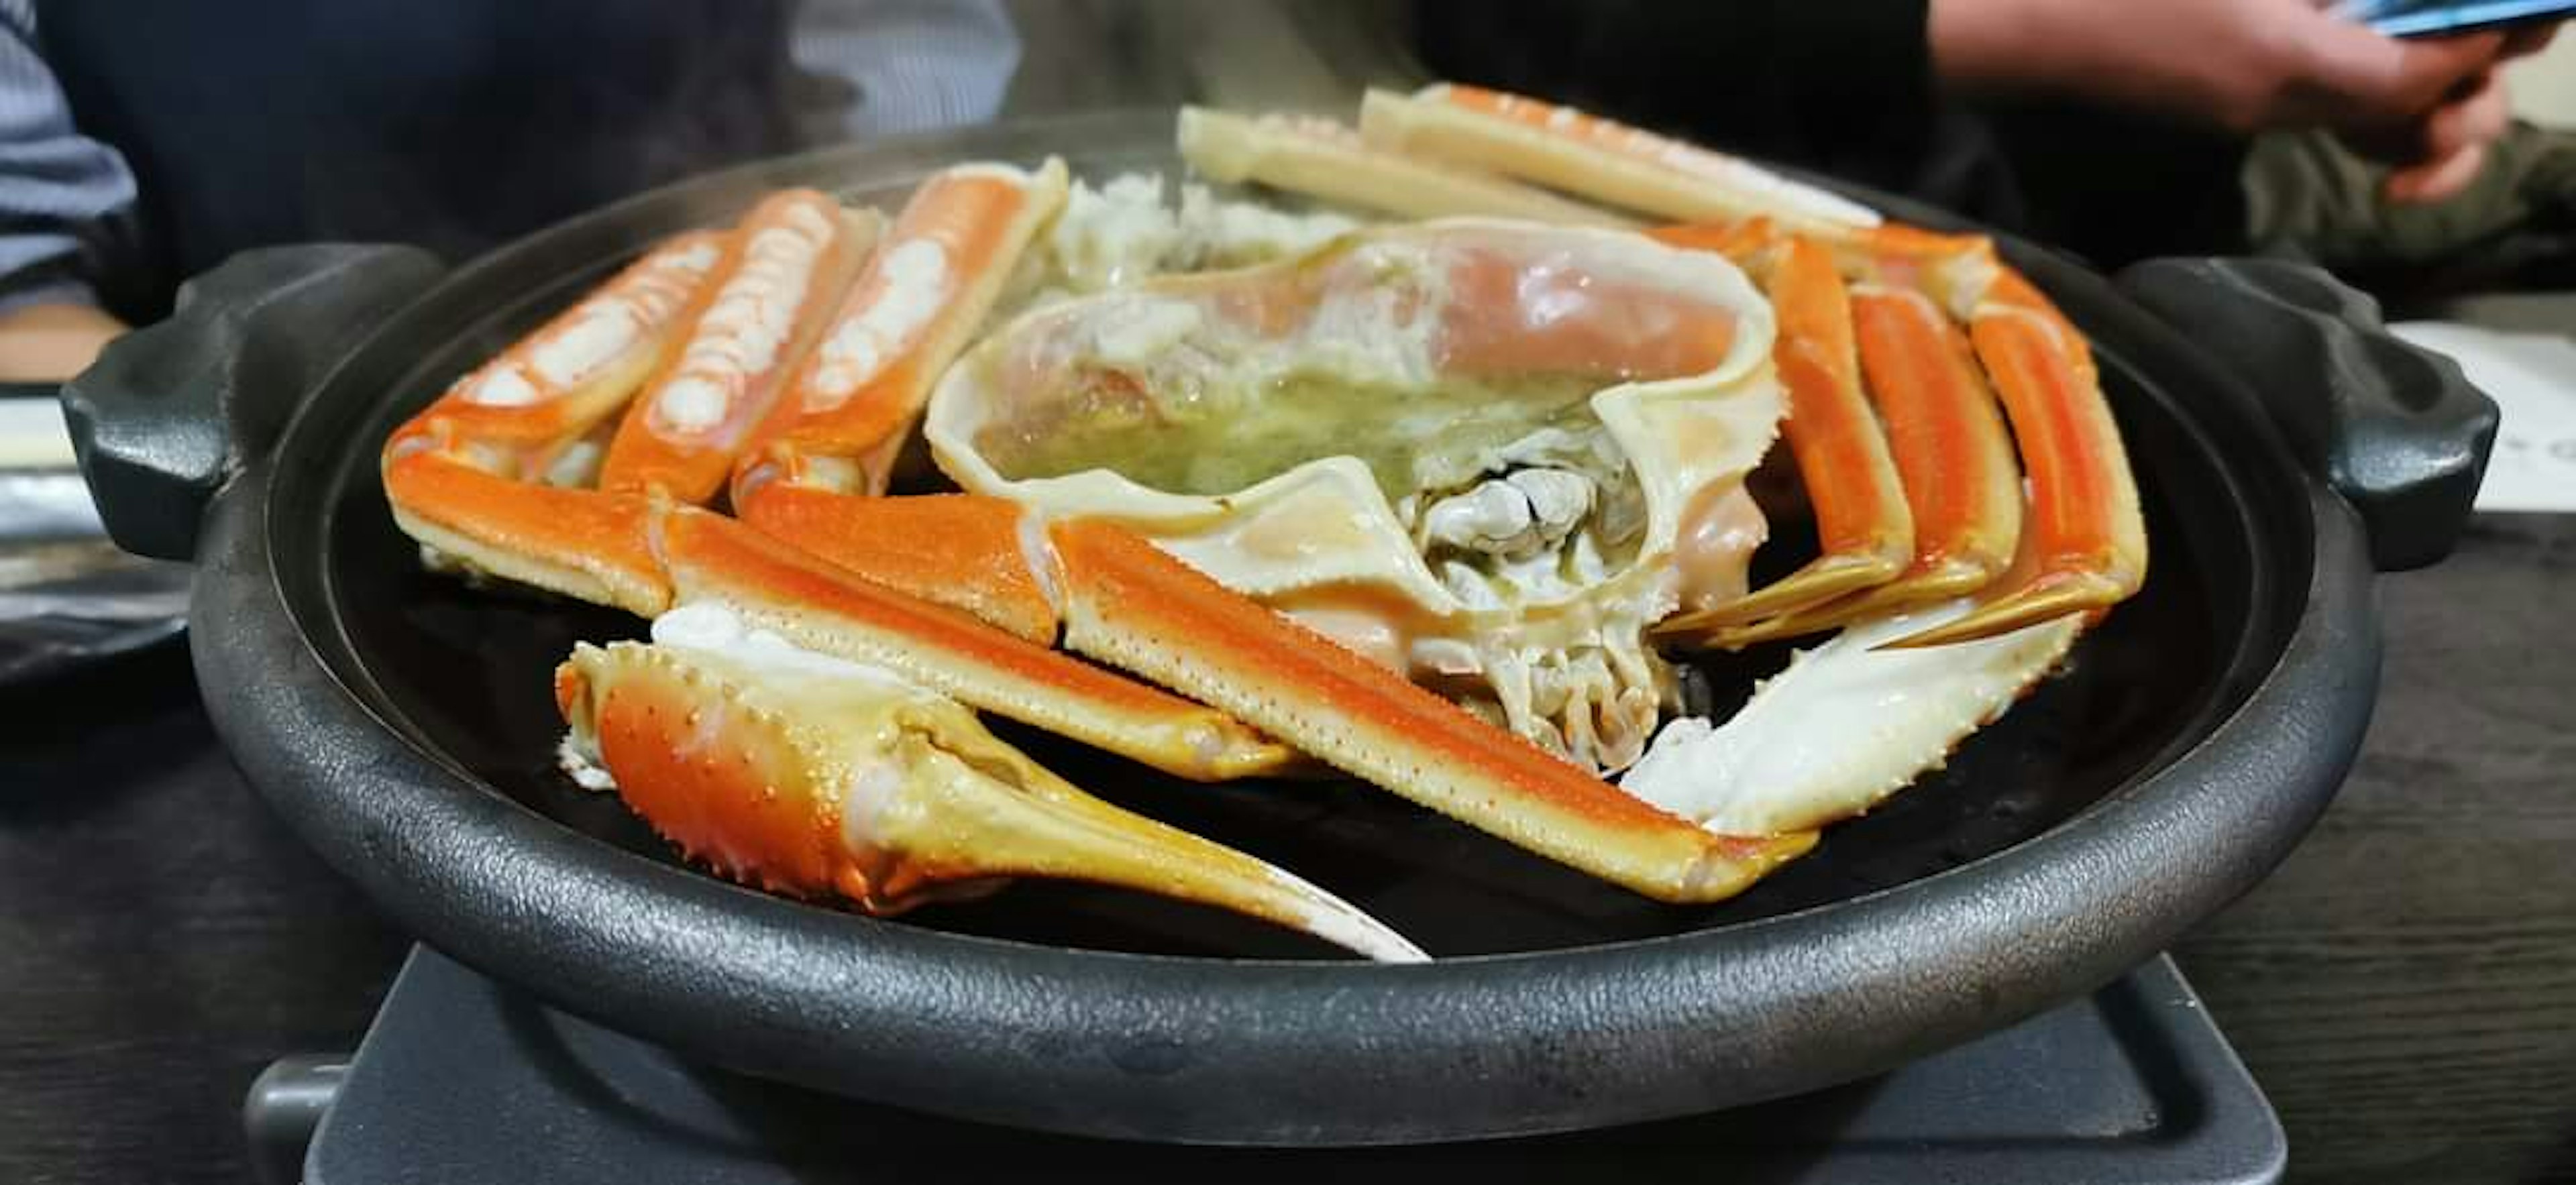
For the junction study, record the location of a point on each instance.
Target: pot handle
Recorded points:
(171, 411)
(2395, 428)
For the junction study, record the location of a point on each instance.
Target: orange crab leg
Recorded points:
(1131, 605)
(2089, 534)
(932, 280)
(824, 607)
(1739, 240)
(1949, 443)
(517, 413)
(792, 257)
(1950, 447)
(963, 552)
(1308, 154)
(644, 554)
(1569, 150)
(1864, 526)
(583, 544)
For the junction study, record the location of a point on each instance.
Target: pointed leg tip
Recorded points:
(1735, 863)
(2041, 601)
(1827, 579)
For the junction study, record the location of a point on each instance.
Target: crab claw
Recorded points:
(819, 778)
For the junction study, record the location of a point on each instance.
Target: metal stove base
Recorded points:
(463, 1081)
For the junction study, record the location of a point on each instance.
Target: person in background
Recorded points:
(2117, 130)
(144, 142)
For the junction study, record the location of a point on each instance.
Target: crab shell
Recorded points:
(1679, 342)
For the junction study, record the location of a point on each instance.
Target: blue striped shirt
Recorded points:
(914, 65)
(54, 182)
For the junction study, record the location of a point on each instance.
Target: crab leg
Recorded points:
(855, 399)
(1863, 523)
(792, 258)
(1847, 724)
(1952, 451)
(824, 607)
(964, 552)
(931, 282)
(816, 778)
(519, 413)
(2089, 535)
(1320, 157)
(1583, 154)
(1131, 605)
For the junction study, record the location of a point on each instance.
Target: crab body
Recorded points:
(1485, 454)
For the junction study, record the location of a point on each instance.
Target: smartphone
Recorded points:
(2430, 18)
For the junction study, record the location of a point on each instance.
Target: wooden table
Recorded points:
(2405, 987)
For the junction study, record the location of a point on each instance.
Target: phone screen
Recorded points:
(2416, 18)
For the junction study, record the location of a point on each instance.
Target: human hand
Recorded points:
(2439, 154)
(2429, 105)
(47, 343)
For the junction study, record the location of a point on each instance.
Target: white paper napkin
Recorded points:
(32, 435)
(2532, 377)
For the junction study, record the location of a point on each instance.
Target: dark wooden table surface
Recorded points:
(2404, 988)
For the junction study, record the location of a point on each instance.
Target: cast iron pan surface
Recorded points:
(403, 722)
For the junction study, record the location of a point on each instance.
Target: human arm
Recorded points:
(54, 186)
(2429, 105)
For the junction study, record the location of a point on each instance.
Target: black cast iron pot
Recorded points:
(401, 722)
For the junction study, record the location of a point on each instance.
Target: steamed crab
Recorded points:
(1422, 501)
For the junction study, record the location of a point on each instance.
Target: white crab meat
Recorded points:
(1844, 726)
(1123, 233)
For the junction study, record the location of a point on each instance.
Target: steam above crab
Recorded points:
(1424, 502)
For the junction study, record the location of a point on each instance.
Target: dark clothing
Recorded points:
(252, 122)
(2309, 197)
(1845, 88)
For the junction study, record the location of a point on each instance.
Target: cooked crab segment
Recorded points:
(1312, 155)
(811, 776)
(1740, 240)
(2087, 531)
(958, 550)
(1847, 724)
(1864, 527)
(823, 607)
(791, 259)
(1130, 605)
(519, 413)
(1951, 449)
(583, 544)
(1584, 154)
(924, 293)
(643, 554)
